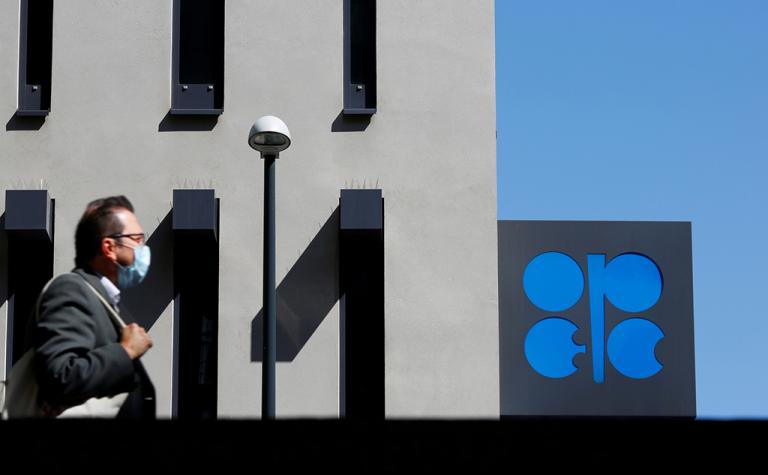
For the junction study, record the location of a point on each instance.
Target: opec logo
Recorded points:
(631, 282)
(596, 318)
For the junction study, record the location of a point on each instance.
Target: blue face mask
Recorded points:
(132, 275)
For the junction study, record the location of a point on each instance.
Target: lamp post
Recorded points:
(270, 136)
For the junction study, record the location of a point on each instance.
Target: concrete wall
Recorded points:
(431, 148)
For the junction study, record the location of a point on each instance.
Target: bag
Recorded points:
(20, 390)
(18, 394)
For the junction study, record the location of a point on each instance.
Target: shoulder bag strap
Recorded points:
(115, 317)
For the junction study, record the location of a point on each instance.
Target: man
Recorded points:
(80, 352)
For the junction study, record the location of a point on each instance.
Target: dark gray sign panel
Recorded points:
(596, 319)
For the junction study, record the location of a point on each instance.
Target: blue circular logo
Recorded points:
(553, 281)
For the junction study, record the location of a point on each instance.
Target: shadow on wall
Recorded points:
(187, 123)
(24, 123)
(148, 301)
(305, 296)
(350, 123)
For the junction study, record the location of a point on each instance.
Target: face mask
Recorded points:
(132, 275)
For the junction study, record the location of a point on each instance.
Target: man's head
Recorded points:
(109, 239)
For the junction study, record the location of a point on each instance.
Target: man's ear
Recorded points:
(109, 248)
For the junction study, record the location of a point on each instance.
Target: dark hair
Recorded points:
(98, 220)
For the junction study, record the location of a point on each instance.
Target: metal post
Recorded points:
(270, 293)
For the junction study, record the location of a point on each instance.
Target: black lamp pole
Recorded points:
(269, 136)
(270, 294)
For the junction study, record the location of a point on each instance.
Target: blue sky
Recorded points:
(653, 110)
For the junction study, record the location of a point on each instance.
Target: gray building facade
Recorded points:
(430, 147)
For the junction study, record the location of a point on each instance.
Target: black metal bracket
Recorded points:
(361, 275)
(29, 219)
(35, 54)
(197, 76)
(359, 57)
(196, 298)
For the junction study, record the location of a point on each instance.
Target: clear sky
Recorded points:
(654, 110)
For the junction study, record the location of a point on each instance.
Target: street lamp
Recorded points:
(270, 136)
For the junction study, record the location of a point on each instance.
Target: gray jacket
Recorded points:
(79, 355)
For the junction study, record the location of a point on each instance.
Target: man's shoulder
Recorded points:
(64, 281)
(67, 285)
(78, 276)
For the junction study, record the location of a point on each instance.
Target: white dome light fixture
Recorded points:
(270, 136)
